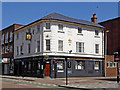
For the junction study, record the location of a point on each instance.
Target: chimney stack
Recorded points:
(94, 18)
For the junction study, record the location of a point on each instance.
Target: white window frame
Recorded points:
(6, 37)
(97, 65)
(79, 65)
(3, 39)
(60, 27)
(11, 48)
(108, 64)
(48, 45)
(17, 50)
(60, 65)
(29, 48)
(80, 47)
(79, 30)
(96, 33)
(49, 26)
(60, 45)
(6, 49)
(11, 36)
(97, 48)
(38, 46)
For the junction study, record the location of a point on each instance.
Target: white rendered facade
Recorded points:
(69, 35)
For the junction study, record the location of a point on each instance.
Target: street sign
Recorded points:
(116, 58)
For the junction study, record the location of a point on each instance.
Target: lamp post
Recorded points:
(106, 49)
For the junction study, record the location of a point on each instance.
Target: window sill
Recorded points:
(60, 71)
(37, 32)
(48, 30)
(80, 34)
(97, 36)
(61, 32)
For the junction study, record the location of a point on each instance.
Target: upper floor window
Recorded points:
(11, 48)
(17, 50)
(29, 30)
(48, 44)
(3, 39)
(79, 47)
(2, 49)
(79, 30)
(60, 45)
(96, 48)
(38, 28)
(80, 65)
(47, 25)
(6, 49)
(60, 26)
(96, 32)
(11, 36)
(17, 36)
(6, 36)
(38, 46)
(21, 50)
(29, 48)
(97, 65)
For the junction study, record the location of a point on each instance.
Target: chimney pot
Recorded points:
(94, 18)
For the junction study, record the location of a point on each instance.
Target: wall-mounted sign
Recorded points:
(69, 40)
(6, 60)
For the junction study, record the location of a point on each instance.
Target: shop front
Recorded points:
(6, 66)
(55, 67)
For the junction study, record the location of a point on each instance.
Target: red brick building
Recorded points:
(113, 44)
(8, 48)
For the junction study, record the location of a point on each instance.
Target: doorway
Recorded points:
(47, 69)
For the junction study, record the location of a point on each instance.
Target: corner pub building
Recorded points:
(44, 47)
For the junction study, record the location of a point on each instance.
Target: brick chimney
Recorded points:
(94, 18)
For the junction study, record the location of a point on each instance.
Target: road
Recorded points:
(51, 84)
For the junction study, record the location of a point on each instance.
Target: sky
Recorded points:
(27, 12)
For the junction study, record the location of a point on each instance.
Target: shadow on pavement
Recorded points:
(108, 79)
(18, 78)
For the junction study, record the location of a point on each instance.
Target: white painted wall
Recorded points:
(71, 32)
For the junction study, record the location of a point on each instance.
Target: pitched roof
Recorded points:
(56, 16)
(60, 17)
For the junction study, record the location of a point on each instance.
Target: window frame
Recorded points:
(97, 48)
(38, 45)
(48, 26)
(96, 33)
(59, 68)
(79, 65)
(60, 27)
(80, 47)
(79, 30)
(60, 45)
(47, 45)
(98, 67)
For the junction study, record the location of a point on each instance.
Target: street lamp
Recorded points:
(107, 31)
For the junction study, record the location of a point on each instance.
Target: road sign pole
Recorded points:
(117, 72)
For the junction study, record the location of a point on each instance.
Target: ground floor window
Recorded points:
(80, 65)
(97, 65)
(112, 64)
(107, 64)
(60, 65)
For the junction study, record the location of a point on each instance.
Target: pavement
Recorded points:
(73, 83)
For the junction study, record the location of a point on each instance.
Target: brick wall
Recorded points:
(111, 71)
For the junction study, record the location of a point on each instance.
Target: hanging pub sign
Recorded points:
(28, 36)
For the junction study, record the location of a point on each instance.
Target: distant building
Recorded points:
(8, 48)
(0, 44)
(113, 44)
(46, 46)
